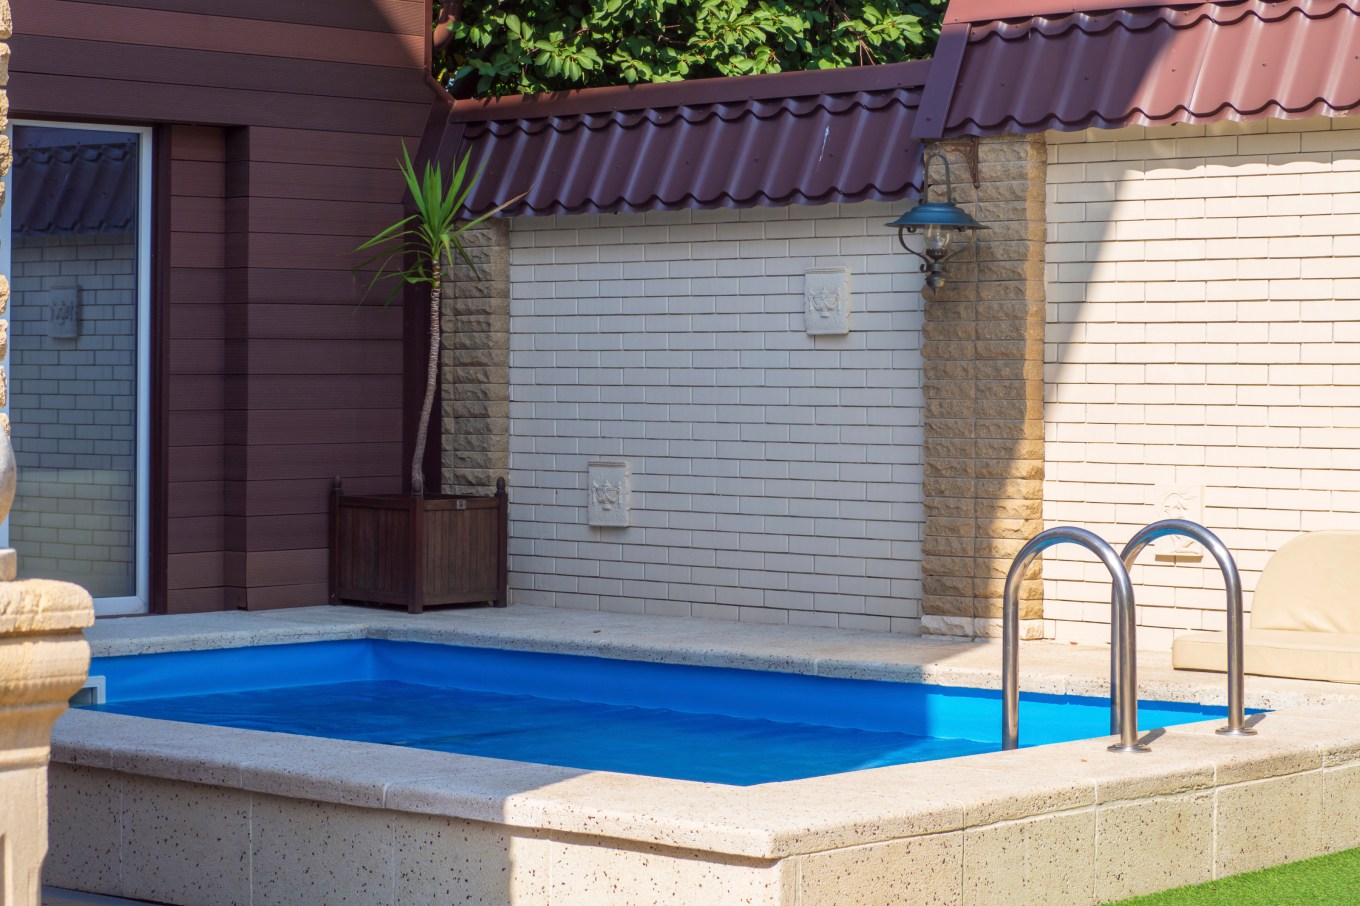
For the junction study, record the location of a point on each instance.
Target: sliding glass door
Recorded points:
(78, 247)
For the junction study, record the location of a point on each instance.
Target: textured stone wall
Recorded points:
(474, 364)
(983, 351)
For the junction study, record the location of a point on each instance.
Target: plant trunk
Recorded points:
(431, 381)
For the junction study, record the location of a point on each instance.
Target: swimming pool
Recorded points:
(711, 724)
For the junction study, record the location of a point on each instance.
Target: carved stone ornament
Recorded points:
(1179, 501)
(826, 297)
(609, 494)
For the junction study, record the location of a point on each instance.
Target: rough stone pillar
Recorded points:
(983, 349)
(43, 661)
(475, 364)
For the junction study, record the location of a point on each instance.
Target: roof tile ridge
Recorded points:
(1178, 16)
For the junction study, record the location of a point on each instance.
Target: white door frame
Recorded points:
(137, 602)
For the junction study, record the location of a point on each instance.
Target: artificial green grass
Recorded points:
(1325, 881)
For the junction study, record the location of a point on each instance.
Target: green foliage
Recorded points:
(409, 250)
(527, 46)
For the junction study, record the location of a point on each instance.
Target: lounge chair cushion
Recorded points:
(1305, 615)
(1334, 657)
(1312, 584)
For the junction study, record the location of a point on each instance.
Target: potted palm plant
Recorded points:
(420, 549)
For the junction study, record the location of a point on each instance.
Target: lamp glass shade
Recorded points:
(938, 239)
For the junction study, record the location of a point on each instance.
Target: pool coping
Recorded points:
(1314, 726)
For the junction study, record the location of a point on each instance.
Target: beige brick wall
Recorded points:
(1203, 331)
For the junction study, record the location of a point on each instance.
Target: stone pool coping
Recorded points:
(1313, 733)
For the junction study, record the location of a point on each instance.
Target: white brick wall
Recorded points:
(776, 477)
(1203, 329)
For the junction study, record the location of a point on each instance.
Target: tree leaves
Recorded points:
(529, 46)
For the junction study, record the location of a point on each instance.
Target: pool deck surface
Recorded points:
(1168, 817)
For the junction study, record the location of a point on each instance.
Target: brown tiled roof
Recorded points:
(1073, 65)
(789, 138)
(67, 190)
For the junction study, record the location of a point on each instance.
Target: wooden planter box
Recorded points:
(419, 552)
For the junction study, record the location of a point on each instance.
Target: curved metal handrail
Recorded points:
(1126, 720)
(1232, 582)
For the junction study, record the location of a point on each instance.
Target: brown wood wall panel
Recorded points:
(326, 147)
(399, 16)
(197, 68)
(277, 597)
(199, 570)
(283, 137)
(368, 460)
(298, 496)
(196, 600)
(80, 98)
(196, 31)
(354, 391)
(370, 321)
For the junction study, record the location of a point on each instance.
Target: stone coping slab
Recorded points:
(1318, 727)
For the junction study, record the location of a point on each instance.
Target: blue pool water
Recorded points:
(717, 725)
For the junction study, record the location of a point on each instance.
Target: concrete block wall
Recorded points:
(74, 412)
(1203, 331)
(776, 476)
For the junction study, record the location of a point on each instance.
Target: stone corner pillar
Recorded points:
(475, 364)
(43, 662)
(983, 346)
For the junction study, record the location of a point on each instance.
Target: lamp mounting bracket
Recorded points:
(967, 148)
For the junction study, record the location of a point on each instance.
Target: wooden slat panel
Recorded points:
(203, 178)
(77, 98)
(320, 426)
(274, 533)
(301, 496)
(343, 217)
(326, 147)
(197, 143)
(103, 60)
(188, 392)
(315, 321)
(400, 16)
(306, 357)
(199, 570)
(189, 285)
(196, 534)
(273, 180)
(196, 600)
(196, 498)
(382, 459)
(157, 28)
(357, 391)
(286, 567)
(280, 596)
(205, 250)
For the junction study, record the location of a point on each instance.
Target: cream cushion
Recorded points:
(1305, 620)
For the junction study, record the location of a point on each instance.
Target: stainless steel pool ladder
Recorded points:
(1123, 626)
(1232, 582)
(1124, 705)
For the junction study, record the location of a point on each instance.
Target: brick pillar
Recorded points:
(475, 364)
(984, 440)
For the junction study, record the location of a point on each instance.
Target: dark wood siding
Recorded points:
(281, 121)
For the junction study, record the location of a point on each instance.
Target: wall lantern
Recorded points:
(947, 228)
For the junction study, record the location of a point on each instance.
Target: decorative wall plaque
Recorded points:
(1177, 501)
(63, 313)
(826, 298)
(610, 494)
